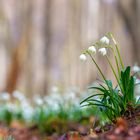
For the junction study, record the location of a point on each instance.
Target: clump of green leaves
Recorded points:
(112, 101)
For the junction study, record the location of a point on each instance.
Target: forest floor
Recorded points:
(126, 128)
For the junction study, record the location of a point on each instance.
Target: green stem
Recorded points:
(100, 71)
(117, 65)
(114, 73)
(119, 56)
(97, 67)
(117, 49)
(116, 60)
(112, 69)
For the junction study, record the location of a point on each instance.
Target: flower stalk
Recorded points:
(100, 71)
(116, 60)
(117, 49)
(113, 70)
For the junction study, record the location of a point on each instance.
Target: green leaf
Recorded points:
(109, 82)
(125, 77)
(95, 104)
(97, 88)
(90, 97)
(131, 89)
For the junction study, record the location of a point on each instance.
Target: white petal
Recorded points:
(103, 51)
(136, 69)
(105, 40)
(92, 49)
(83, 57)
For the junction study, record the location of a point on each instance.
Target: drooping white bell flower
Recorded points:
(83, 57)
(135, 68)
(92, 49)
(105, 40)
(103, 51)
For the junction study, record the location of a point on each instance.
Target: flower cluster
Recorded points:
(114, 101)
(101, 46)
(104, 41)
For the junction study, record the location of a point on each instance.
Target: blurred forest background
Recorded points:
(41, 40)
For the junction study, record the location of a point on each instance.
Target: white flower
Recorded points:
(135, 69)
(12, 107)
(103, 51)
(92, 49)
(18, 95)
(5, 96)
(83, 57)
(52, 102)
(137, 81)
(38, 100)
(55, 89)
(27, 110)
(71, 96)
(104, 40)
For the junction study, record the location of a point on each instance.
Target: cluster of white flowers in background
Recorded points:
(92, 49)
(27, 108)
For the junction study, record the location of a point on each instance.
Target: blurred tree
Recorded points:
(45, 37)
(16, 65)
(130, 11)
(15, 14)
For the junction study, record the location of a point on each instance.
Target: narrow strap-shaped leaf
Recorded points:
(94, 100)
(131, 89)
(95, 104)
(90, 97)
(97, 88)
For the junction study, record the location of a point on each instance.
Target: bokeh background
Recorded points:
(41, 40)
